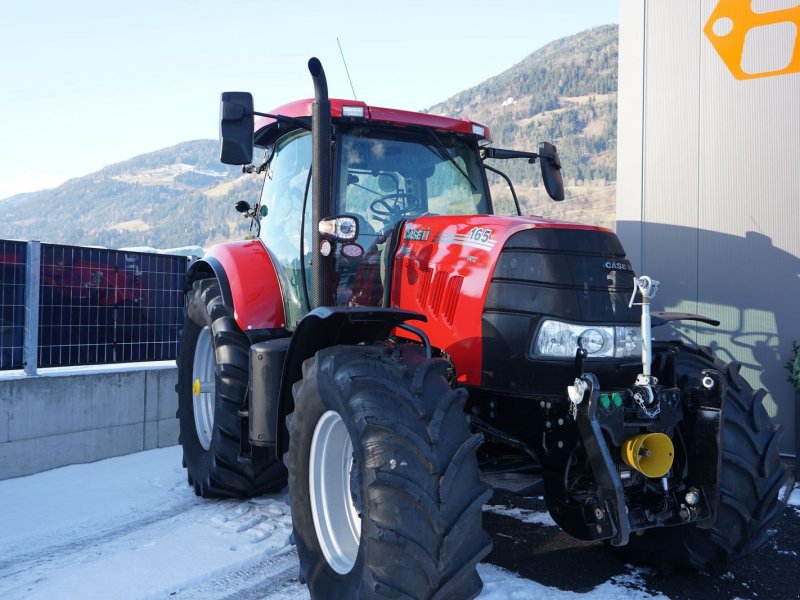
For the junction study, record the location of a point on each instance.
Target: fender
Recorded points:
(324, 327)
(248, 283)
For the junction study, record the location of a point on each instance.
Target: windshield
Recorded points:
(388, 175)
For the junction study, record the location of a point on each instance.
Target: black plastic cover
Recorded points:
(266, 369)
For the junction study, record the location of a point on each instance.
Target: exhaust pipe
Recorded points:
(322, 201)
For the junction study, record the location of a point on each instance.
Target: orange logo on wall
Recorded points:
(734, 24)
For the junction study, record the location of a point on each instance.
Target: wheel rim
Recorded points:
(203, 391)
(336, 518)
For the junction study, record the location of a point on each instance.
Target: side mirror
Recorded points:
(236, 119)
(551, 170)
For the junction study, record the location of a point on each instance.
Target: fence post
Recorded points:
(30, 345)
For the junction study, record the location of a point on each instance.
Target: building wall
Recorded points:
(65, 417)
(709, 175)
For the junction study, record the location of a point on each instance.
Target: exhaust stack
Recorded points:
(321, 193)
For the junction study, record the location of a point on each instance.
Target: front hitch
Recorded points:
(611, 520)
(695, 498)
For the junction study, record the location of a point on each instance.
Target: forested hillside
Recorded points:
(177, 196)
(565, 92)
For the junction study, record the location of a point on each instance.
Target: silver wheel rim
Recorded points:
(336, 519)
(203, 387)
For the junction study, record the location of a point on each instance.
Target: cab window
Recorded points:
(282, 195)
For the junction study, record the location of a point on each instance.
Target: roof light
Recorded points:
(353, 111)
(479, 130)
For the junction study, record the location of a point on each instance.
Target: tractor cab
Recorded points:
(387, 167)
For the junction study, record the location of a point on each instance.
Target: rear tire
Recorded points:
(402, 492)
(213, 349)
(752, 476)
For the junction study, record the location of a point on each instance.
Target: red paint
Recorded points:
(257, 300)
(448, 280)
(376, 114)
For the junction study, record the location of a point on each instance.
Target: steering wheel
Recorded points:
(391, 207)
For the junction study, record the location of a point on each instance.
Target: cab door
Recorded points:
(284, 197)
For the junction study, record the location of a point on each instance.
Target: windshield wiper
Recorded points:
(445, 153)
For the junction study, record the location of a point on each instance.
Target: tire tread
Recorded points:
(426, 508)
(221, 474)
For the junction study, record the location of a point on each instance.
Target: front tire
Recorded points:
(752, 476)
(213, 371)
(384, 483)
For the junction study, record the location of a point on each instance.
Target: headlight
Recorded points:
(563, 340)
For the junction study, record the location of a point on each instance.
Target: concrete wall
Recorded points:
(708, 192)
(64, 416)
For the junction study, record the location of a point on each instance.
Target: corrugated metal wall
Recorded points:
(709, 174)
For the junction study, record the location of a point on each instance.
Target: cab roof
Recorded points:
(301, 109)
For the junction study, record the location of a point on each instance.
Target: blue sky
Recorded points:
(89, 83)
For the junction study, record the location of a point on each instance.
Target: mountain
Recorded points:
(177, 196)
(565, 92)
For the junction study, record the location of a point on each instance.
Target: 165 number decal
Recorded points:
(480, 234)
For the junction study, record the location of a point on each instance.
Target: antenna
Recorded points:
(346, 70)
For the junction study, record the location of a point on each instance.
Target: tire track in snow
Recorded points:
(238, 536)
(44, 553)
(274, 577)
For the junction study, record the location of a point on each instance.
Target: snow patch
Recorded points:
(526, 516)
(499, 584)
(794, 498)
(508, 101)
(159, 365)
(128, 527)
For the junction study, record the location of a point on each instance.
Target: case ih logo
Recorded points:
(612, 265)
(755, 44)
(418, 235)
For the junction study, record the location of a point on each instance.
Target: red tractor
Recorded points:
(396, 346)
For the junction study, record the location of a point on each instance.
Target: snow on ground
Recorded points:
(526, 516)
(130, 527)
(127, 527)
(499, 584)
(794, 500)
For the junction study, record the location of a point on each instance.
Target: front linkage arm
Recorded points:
(611, 518)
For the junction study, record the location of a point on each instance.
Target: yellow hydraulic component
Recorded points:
(649, 453)
(196, 387)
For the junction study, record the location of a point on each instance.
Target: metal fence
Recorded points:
(69, 305)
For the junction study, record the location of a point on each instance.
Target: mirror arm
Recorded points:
(510, 185)
(302, 123)
(503, 154)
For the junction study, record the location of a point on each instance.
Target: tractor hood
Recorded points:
(486, 283)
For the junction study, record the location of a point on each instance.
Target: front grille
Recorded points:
(573, 275)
